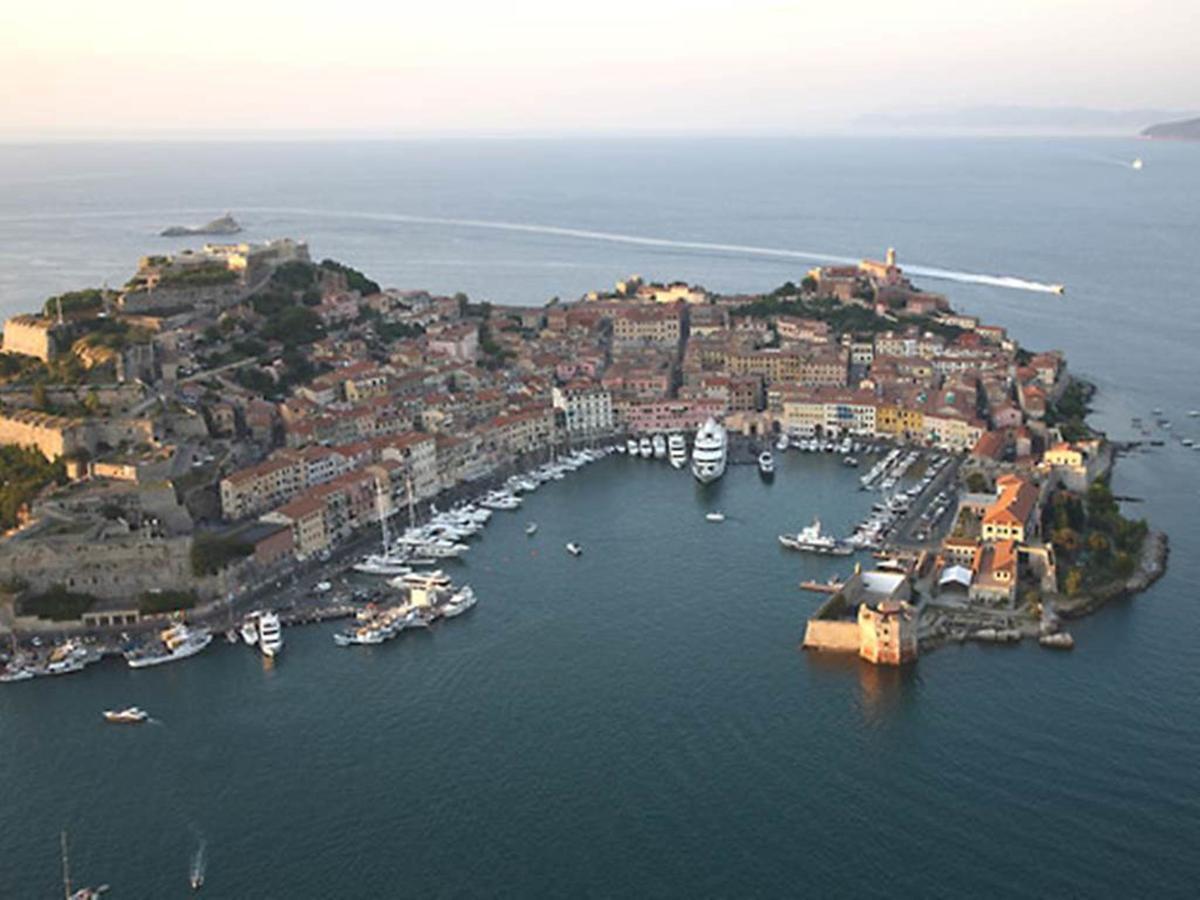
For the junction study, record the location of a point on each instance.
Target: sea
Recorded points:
(641, 721)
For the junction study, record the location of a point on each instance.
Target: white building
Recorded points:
(587, 408)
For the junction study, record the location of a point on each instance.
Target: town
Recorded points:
(238, 414)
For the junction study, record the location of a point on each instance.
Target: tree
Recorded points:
(39, 397)
(977, 483)
(1073, 581)
(1098, 544)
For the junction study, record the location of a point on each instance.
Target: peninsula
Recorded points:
(1182, 130)
(220, 227)
(241, 414)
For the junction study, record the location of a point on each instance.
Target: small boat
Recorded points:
(1194, 413)
(250, 632)
(659, 443)
(766, 465)
(783, 443)
(196, 871)
(231, 636)
(531, 529)
(677, 450)
(1137, 164)
(850, 461)
(631, 447)
(715, 516)
(575, 549)
(131, 715)
(646, 446)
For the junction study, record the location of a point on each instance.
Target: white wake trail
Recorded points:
(1002, 281)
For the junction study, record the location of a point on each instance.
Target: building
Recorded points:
(1013, 515)
(305, 516)
(994, 573)
(262, 487)
(31, 335)
(887, 633)
(586, 407)
(648, 325)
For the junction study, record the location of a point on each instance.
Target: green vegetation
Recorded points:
(208, 275)
(113, 334)
(1070, 412)
(154, 602)
(355, 280)
(211, 553)
(977, 483)
(1094, 543)
(57, 604)
(89, 300)
(23, 473)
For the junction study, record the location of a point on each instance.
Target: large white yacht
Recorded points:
(270, 634)
(709, 452)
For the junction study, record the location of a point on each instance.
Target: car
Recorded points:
(323, 587)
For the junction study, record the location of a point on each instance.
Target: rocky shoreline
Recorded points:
(1152, 565)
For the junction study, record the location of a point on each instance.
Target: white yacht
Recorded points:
(709, 452)
(677, 450)
(659, 443)
(766, 465)
(646, 446)
(631, 446)
(177, 642)
(811, 540)
(270, 634)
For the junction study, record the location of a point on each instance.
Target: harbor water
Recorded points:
(640, 719)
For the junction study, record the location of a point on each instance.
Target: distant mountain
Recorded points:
(224, 225)
(1182, 130)
(1018, 120)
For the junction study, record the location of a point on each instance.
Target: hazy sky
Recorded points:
(123, 67)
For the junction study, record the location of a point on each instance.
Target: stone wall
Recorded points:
(835, 636)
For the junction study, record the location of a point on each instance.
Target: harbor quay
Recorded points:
(217, 444)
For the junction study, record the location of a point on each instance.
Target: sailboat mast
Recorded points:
(66, 868)
(383, 526)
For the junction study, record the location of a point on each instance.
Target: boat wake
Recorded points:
(1001, 281)
(198, 866)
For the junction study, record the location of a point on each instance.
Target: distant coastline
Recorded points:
(1179, 130)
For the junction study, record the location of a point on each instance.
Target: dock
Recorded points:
(822, 587)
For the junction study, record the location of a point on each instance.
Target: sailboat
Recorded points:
(389, 562)
(84, 893)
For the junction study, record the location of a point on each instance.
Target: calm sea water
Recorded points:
(640, 720)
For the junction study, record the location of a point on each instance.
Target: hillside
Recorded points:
(1182, 130)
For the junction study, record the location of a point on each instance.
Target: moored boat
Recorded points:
(131, 715)
(811, 540)
(709, 452)
(766, 465)
(270, 634)
(174, 643)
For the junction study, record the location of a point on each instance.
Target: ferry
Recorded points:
(811, 540)
(270, 634)
(131, 715)
(709, 452)
(677, 450)
(766, 465)
(177, 642)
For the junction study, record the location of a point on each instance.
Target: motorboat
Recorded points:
(677, 450)
(249, 631)
(659, 443)
(391, 563)
(709, 452)
(811, 540)
(715, 516)
(646, 447)
(631, 446)
(766, 465)
(575, 549)
(131, 715)
(531, 529)
(459, 602)
(270, 634)
(783, 443)
(174, 643)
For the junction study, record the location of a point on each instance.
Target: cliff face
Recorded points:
(1183, 130)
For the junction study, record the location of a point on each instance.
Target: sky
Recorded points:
(126, 68)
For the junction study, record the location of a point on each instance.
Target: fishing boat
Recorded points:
(811, 540)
